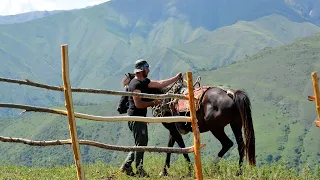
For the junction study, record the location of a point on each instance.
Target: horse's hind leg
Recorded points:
(224, 140)
(236, 128)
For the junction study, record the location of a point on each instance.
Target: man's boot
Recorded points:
(127, 169)
(142, 173)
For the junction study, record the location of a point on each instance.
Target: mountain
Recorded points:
(206, 13)
(227, 11)
(232, 43)
(105, 40)
(24, 17)
(277, 80)
(308, 9)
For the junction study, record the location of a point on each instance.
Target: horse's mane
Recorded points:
(128, 77)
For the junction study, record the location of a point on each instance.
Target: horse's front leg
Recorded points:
(181, 144)
(167, 164)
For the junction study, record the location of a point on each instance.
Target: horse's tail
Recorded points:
(243, 103)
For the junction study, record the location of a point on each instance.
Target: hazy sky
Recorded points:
(9, 7)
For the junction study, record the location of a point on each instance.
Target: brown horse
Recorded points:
(218, 107)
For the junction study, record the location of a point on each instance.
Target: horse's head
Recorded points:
(128, 77)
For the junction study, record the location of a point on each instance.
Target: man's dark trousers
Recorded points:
(140, 134)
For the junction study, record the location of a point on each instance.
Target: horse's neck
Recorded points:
(178, 89)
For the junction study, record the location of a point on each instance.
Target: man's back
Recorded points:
(141, 85)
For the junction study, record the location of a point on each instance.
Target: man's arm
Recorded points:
(164, 83)
(143, 104)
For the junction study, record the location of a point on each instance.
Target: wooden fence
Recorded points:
(75, 142)
(316, 96)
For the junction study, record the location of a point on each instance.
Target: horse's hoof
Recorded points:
(189, 174)
(239, 173)
(164, 173)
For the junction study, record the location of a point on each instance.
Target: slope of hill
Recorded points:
(232, 43)
(24, 17)
(228, 11)
(308, 9)
(276, 79)
(208, 14)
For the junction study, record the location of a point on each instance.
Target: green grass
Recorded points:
(225, 169)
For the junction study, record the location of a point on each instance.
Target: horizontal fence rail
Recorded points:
(95, 91)
(170, 119)
(101, 145)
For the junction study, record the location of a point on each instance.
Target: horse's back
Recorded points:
(219, 97)
(219, 107)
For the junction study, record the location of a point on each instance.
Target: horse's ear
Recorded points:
(131, 75)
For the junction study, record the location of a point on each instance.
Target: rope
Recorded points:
(161, 109)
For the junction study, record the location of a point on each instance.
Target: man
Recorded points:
(138, 107)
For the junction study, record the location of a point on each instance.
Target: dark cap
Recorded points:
(140, 65)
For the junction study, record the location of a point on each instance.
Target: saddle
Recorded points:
(183, 105)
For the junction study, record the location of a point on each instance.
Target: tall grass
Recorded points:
(225, 169)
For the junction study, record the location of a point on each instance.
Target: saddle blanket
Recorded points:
(183, 105)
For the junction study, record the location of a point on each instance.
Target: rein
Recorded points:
(173, 84)
(159, 110)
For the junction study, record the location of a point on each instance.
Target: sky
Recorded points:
(10, 7)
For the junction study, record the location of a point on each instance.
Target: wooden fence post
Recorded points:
(195, 129)
(315, 83)
(70, 111)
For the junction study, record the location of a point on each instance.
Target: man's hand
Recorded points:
(166, 82)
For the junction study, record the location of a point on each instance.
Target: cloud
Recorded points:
(8, 7)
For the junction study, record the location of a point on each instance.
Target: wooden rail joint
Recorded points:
(317, 122)
(311, 98)
(316, 96)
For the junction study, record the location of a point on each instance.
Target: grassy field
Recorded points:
(225, 169)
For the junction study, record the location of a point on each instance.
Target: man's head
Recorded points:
(141, 67)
